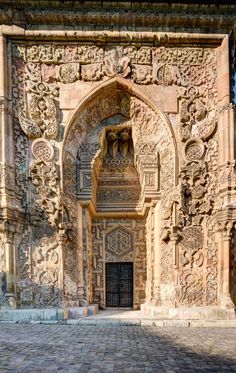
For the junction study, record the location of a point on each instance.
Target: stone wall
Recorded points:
(173, 99)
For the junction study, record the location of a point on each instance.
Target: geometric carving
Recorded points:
(117, 195)
(42, 150)
(150, 179)
(194, 149)
(193, 238)
(119, 241)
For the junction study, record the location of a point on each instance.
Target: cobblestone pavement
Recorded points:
(66, 348)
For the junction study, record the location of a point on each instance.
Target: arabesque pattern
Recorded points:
(142, 148)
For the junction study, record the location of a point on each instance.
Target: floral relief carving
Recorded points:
(163, 74)
(39, 265)
(68, 73)
(191, 254)
(114, 64)
(42, 110)
(21, 163)
(7, 177)
(191, 287)
(212, 269)
(39, 70)
(92, 72)
(142, 74)
(183, 67)
(232, 266)
(2, 270)
(44, 178)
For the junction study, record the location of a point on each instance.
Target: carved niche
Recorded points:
(118, 181)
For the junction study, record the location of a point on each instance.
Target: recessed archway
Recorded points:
(116, 104)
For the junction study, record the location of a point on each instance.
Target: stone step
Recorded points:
(50, 314)
(191, 313)
(21, 315)
(154, 323)
(92, 309)
(131, 322)
(88, 316)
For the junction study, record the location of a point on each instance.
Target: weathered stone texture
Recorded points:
(122, 152)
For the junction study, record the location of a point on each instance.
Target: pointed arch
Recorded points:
(112, 86)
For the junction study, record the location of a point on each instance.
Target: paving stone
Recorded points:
(107, 348)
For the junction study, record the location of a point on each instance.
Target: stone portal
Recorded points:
(117, 148)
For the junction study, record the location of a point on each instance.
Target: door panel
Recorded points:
(119, 284)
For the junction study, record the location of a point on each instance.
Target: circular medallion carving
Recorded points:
(42, 150)
(193, 238)
(194, 149)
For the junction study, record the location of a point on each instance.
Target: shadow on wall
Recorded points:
(30, 295)
(2, 287)
(233, 267)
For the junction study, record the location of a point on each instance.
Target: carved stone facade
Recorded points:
(121, 150)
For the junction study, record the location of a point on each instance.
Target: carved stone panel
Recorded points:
(144, 157)
(39, 273)
(119, 240)
(119, 245)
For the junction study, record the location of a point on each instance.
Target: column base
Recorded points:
(191, 313)
(227, 302)
(9, 301)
